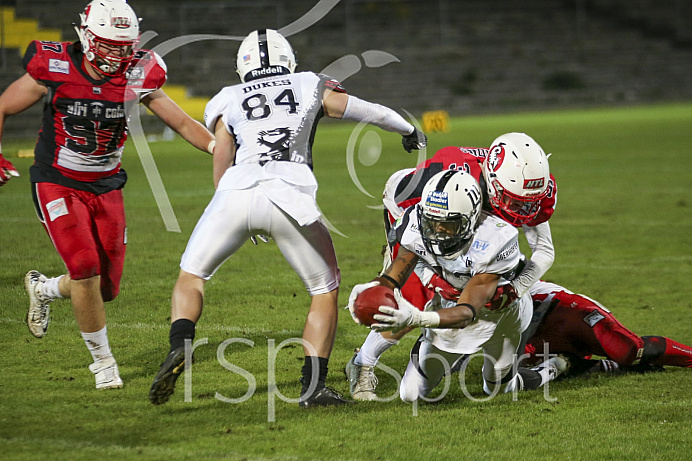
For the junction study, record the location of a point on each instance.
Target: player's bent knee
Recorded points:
(654, 347)
(410, 387)
(109, 293)
(84, 265)
(408, 394)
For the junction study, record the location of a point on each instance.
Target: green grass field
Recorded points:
(622, 232)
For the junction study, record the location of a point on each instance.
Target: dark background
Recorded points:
(465, 56)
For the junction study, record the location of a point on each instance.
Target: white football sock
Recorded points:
(372, 349)
(51, 288)
(97, 343)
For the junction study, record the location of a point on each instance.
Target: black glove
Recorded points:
(414, 141)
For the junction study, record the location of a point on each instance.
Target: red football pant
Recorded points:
(578, 326)
(87, 230)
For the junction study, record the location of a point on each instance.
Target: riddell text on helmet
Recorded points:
(268, 71)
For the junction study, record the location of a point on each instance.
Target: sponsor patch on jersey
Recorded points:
(419, 249)
(480, 246)
(437, 199)
(56, 208)
(59, 66)
(506, 253)
(134, 73)
(593, 318)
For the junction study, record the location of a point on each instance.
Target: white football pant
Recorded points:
(233, 216)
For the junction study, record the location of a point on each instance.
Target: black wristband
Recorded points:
(473, 309)
(391, 280)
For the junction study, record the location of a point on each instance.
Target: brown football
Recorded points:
(368, 302)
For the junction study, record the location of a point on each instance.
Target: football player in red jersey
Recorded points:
(578, 327)
(522, 192)
(76, 177)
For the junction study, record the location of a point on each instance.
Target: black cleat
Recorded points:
(322, 398)
(644, 368)
(164, 382)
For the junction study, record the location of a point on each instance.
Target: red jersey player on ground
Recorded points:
(577, 327)
(521, 190)
(76, 177)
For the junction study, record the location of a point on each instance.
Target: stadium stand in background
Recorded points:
(463, 56)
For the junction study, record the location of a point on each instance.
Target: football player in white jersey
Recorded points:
(264, 183)
(474, 251)
(515, 177)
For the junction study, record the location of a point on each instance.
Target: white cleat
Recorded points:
(106, 374)
(38, 317)
(361, 379)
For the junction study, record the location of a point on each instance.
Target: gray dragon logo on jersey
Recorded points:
(278, 141)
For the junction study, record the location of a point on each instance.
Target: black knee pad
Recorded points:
(654, 347)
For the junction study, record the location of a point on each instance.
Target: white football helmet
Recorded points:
(517, 174)
(448, 213)
(108, 32)
(264, 53)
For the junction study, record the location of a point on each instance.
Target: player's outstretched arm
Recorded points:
(476, 293)
(179, 121)
(341, 105)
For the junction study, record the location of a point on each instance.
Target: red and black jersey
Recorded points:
(84, 125)
(470, 160)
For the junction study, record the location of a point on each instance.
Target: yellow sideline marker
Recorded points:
(436, 121)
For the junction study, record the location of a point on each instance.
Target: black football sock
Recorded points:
(181, 330)
(306, 371)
